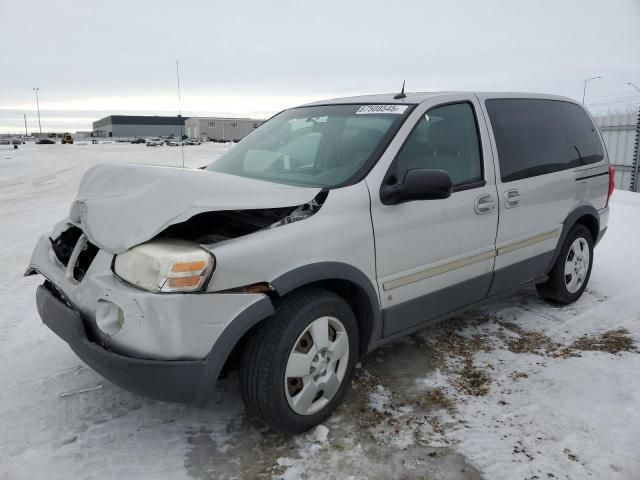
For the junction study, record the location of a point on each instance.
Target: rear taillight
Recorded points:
(612, 183)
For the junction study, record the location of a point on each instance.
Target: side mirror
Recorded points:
(418, 184)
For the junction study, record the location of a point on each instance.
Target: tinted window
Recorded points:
(535, 137)
(446, 138)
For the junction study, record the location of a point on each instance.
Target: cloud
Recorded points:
(251, 57)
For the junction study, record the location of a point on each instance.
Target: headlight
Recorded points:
(166, 266)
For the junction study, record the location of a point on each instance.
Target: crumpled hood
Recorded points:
(119, 206)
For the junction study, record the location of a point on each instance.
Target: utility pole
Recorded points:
(38, 106)
(180, 110)
(635, 185)
(26, 134)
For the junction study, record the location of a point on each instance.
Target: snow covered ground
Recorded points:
(514, 390)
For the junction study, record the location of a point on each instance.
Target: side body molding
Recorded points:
(315, 272)
(571, 219)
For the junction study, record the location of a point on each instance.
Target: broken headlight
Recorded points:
(166, 266)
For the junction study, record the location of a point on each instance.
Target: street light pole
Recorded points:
(584, 91)
(634, 186)
(38, 106)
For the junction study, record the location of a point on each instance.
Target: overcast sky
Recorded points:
(91, 59)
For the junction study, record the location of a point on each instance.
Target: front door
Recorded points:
(435, 256)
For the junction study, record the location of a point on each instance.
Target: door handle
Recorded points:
(511, 198)
(484, 204)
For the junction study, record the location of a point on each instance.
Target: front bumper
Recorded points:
(156, 326)
(166, 380)
(171, 347)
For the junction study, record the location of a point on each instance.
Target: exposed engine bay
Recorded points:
(214, 227)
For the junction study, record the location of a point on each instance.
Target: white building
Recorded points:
(220, 129)
(621, 133)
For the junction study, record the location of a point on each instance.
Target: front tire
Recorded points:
(298, 364)
(570, 273)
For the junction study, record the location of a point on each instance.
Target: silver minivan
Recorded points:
(333, 228)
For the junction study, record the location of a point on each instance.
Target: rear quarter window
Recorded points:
(536, 136)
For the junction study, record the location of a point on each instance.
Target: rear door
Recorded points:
(434, 256)
(539, 143)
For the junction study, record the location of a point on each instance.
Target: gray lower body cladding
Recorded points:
(521, 272)
(427, 307)
(423, 310)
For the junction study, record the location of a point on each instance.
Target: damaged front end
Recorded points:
(72, 247)
(127, 246)
(180, 259)
(177, 260)
(121, 206)
(209, 228)
(159, 242)
(158, 273)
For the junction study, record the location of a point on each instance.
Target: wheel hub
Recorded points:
(320, 365)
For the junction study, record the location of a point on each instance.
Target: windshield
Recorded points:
(321, 146)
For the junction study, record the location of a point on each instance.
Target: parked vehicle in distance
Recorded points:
(334, 228)
(66, 138)
(154, 142)
(138, 140)
(12, 141)
(192, 141)
(175, 143)
(45, 141)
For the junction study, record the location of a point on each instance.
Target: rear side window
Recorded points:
(535, 137)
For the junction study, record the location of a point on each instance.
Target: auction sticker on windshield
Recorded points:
(398, 109)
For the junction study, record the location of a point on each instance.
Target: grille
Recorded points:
(85, 258)
(72, 246)
(64, 244)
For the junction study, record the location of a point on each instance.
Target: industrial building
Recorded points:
(127, 126)
(220, 129)
(621, 134)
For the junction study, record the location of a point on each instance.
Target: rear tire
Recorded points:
(571, 271)
(298, 364)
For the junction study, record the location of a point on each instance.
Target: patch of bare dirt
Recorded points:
(398, 413)
(518, 375)
(526, 341)
(472, 380)
(570, 455)
(450, 344)
(612, 341)
(438, 398)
